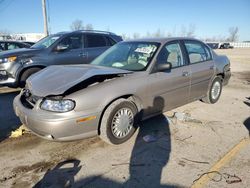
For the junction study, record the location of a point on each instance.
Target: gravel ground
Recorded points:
(183, 150)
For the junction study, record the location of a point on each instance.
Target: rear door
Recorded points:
(170, 89)
(201, 66)
(94, 45)
(73, 54)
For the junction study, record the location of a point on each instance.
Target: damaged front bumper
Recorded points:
(8, 72)
(57, 126)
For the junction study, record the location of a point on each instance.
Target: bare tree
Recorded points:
(191, 31)
(136, 35)
(107, 29)
(158, 33)
(183, 31)
(148, 34)
(169, 34)
(188, 32)
(77, 25)
(89, 27)
(233, 34)
(217, 38)
(5, 32)
(125, 36)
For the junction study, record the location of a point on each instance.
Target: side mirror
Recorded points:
(163, 66)
(61, 47)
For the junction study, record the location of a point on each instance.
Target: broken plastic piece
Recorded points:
(19, 132)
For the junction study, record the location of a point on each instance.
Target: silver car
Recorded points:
(130, 82)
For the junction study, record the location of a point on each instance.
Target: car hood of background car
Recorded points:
(55, 80)
(17, 52)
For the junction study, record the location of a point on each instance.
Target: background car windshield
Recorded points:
(134, 56)
(46, 42)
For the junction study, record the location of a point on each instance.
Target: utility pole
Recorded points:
(46, 32)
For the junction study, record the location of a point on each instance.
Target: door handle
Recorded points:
(185, 73)
(83, 55)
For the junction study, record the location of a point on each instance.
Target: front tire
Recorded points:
(26, 74)
(214, 92)
(118, 123)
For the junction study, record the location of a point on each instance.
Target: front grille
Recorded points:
(29, 100)
(3, 75)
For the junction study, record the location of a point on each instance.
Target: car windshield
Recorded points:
(46, 42)
(133, 56)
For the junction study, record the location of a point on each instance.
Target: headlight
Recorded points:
(63, 105)
(8, 59)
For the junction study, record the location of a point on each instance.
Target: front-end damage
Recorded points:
(94, 80)
(54, 125)
(47, 105)
(63, 80)
(29, 100)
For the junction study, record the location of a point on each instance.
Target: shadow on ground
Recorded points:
(62, 175)
(247, 102)
(247, 121)
(146, 162)
(247, 124)
(8, 119)
(145, 167)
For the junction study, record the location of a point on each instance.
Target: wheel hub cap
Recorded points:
(122, 122)
(215, 90)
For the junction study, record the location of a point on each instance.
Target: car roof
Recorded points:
(161, 40)
(87, 31)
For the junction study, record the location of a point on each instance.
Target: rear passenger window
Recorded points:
(110, 41)
(11, 46)
(197, 52)
(93, 40)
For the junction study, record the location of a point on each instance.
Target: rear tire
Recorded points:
(214, 91)
(118, 123)
(26, 74)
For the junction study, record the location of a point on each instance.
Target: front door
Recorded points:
(74, 52)
(170, 89)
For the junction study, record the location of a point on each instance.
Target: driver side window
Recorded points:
(171, 53)
(72, 42)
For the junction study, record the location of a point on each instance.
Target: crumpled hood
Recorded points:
(55, 80)
(17, 52)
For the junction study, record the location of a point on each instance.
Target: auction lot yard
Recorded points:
(215, 140)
